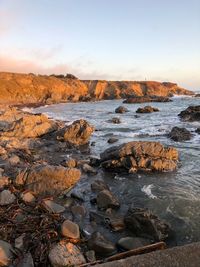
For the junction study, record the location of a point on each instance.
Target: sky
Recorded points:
(103, 39)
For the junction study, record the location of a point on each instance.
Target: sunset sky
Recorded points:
(103, 39)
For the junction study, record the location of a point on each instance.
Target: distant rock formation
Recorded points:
(42, 89)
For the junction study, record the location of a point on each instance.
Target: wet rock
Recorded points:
(115, 120)
(180, 134)
(105, 199)
(147, 109)
(19, 242)
(4, 181)
(48, 179)
(70, 163)
(6, 197)
(95, 162)
(99, 185)
(128, 243)
(144, 99)
(6, 253)
(52, 207)
(28, 197)
(101, 245)
(121, 109)
(78, 133)
(90, 256)
(197, 95)
(192, 113)
(198, 130)
(78, 211)
(93, 143)
(112, 140)
(140, 155)
(145, 224)
(70, 229)
(65, 254)
(26, 261)
(88, 169)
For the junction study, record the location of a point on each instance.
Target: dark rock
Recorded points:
(90, 255)
(144, 99)
(88, 169)
(105, 199)
(198, 130)
(26, 261)
(78, 211)
(192, 113)
(77, 194)
(101, 245)
(128, 243)
(197, 95)
(112, 140)
(145, 224)
(115, 120)
(121, 109)
(147, 109)
(95, 162)
(140, 155)
(180, 134)
(99, 185)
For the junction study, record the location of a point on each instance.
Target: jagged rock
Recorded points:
(112, 140)
(191, 113)
(180, 134)
(145, 224)
(147, 109)
(99, 185)
(6, 197)
(88, 169)
(121, 109)
(128, 243)
(70, 229)
(19, 242)
(101, 245)
(140, 155)
(6, 253)
(78, 133)
(144, 99)
(48, 179)
(52, 207)
(94, 161)
(65, 254)
(198, 130)
(105, 199)
(115, 120)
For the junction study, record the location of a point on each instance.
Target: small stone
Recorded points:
(70, 229)
(4, 181)
(115, 120)
(112, 140)
(71, 163)
(105, 199)
(90, 255)
(88, 169)
(19, 242)
(78, 211)
(28, 197)
(128, 243)
(99, 185)
(53, 207)
(6, 253)
(6, 197)
(65, 254)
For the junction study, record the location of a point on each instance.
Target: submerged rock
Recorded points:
(198, 130)
(145, 224)
(180, 134)
(112, 140)
(48, 179)
(115, 120)
(147, 109)
(191, 113)
(99, 185)
(128, 243)
(140, 155)
(105, 199)
(121, 109)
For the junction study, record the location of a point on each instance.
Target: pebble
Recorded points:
(78, 211)
(105, 199)
(88, 169)
(90, 255)
(28, 197)
(112, 140)
(6, 253)
(70, 229)
(6, 197)
(128, 243)
(53, 207)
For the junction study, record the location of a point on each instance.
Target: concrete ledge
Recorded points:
(183, 256)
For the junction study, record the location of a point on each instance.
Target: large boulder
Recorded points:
(145, 224)
(78, 133)
(147, 109)
(180, 134)
(191, 113)
(140, 155)
(47, 179)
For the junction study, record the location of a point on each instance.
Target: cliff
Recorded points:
(42, 89)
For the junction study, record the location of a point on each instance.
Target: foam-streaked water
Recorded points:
(176, 196)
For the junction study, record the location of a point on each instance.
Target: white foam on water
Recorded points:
(147, 190)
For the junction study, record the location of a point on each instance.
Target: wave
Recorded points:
(147, 190)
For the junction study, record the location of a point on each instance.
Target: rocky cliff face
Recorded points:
(31, 89)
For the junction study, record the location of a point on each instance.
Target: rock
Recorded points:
(88, 169)
(121, 109)
(95, 162)
(105, 199)
(101, 245)
(78, 211)
(52, 207)
(99, 185)
(180, 134)
(147, 109)
(48, 179)
(31, 126)
(70, 163)
(197, 95)
(90, 256)
(77, 194)
(198, 130)
(4, 181)
(115, 120)
(65, 254)
(78, 133)
(70, 229)
(192, 113)
(6, 197)
(140, 155)
(112, 140)
(19, 242)
(28, 197)
(26, 261)
(128, 243)
(144, 99)
(14, 160)
(145, 224)
(6, 253)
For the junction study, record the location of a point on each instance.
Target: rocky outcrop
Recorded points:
(180, 134)
(140, 156)
(147, 109)
(42, 89)
(48, 180)
(146, 99)
(191, 113)
(121, 109)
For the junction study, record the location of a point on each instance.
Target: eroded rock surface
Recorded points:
(180, 134)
